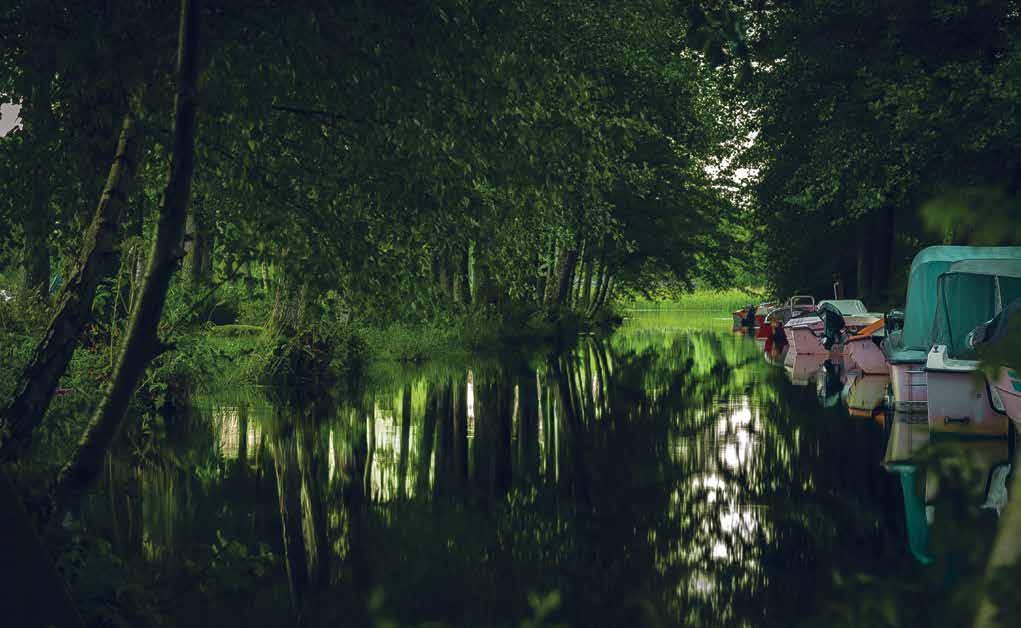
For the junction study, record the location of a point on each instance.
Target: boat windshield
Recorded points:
(847, 307)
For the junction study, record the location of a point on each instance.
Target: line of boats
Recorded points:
(922, 359)
(916, 371)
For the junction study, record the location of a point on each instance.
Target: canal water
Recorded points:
(670, 474)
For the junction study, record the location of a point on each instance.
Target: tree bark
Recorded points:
(461, 289)
(36, 223)
(74, 306)
(199, 249)
(563, 273)
(585, 292)
(142, 343)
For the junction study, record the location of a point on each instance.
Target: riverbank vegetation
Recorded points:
(203, 195)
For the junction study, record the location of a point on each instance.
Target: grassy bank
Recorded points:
(709, 301)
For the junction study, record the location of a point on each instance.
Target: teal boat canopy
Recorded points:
(912, 343)
(972, 293)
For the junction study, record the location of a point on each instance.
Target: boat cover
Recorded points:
(912, 344)
(970, 294)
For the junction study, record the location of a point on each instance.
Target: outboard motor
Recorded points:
(893, 321)
(833, 325)
(749, 316)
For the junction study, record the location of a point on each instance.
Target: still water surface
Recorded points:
(666, 475)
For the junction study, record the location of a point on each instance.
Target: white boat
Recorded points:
(968, 295)
(906, 350)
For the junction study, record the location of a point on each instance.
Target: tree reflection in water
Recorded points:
(665, 476)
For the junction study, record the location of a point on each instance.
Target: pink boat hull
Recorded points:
(958, 402)
(867, 355)
(803, 341)
(909, 387)
(1008, 387)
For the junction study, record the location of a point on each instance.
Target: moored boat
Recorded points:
(777, 317)
(863, 349)
(828, 328)
(970, 294)
(907, 349)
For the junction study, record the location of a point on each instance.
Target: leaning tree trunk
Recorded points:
(74, 307)
(142, 342)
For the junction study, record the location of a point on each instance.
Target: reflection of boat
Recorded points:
(1005, 383)
(801, 369)
(864, 393)
(757, 318)
(775, 355)
(908, 435)
(829, 382)
(969, 294)
(864, 350)
(829, 326)
(906, 349)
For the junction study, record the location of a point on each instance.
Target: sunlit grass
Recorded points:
(721, 301)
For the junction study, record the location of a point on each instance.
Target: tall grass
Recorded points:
(721, 301)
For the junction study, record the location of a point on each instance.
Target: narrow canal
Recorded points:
(666, 475)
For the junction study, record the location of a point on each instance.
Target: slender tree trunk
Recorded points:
(74, 306)
(199, 249)
(550, 288)
(602, 291)
(462, 288)
(40, 127)
(585, 291)
(142, 343)
(564, 272)
(604, 276)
